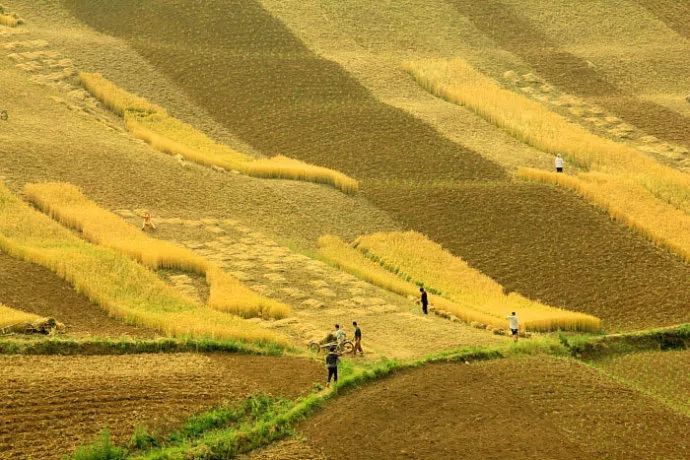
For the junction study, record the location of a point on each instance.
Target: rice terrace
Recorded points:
(354, 229)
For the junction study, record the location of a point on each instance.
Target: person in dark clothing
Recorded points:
(425, 300)
(332, 361)
(358, 339)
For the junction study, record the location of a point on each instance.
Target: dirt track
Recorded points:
(519, 408)
(51, 404)
(35, 289)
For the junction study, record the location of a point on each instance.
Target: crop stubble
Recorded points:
(518, 408)
(50, 404)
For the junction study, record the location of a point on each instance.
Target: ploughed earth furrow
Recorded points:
(569, 72)
(256, 78)
(518, 408)
(548, 244)
(34, 289)
(50, 404)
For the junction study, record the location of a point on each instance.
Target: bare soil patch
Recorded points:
(34, 289)
(517, 408)
(50, 404)
(548, 244)
(519, 35)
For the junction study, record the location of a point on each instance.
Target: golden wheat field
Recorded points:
(195, 196)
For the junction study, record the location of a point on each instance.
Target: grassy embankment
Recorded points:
(65, 203)
(152, 124)
(122, 287)
(400, 262)
(9, 316)
(616, 172)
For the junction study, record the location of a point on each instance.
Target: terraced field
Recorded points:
(50, 404)
(529, 408)
(37, 290)
(506, 24)
(280, 97)
(575, 256)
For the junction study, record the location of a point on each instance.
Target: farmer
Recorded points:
(424, 300)
(339, 334)
(148, 223)
(513, 325)
(559, 163)
(332, 360)
(358, 339)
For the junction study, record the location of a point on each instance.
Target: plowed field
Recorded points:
(50, 404)
(673, 13)
(35, 289)
(523, 408)
(505, 25)
(548, 244)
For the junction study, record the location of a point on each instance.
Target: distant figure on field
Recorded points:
(424, 300)
(514, 325)
(339, 334)
(358, 339)
(559, 163)
(332, 360)
(148, 223)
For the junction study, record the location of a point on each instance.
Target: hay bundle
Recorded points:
(46, 326)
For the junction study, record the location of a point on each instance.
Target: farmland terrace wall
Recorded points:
(257, 79)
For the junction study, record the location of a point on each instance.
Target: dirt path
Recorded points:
(35, 289)
(518, 408)
(50, 404)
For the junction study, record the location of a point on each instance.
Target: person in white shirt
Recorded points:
(339, 334)
(559, 163)
(514, 325)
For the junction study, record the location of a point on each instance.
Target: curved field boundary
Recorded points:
(413, 256)
(264, 85)
(628, 203)
(169, 135)
(508, 29)
(550, 245)
(119, 285)
(65, 203)
(673, 13)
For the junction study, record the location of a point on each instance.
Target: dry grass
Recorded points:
(10, 316)
(414, 257)
(125, 289)
(69, 206)
(169, 135)
(534, 124)
(628, 203)
(8, 20)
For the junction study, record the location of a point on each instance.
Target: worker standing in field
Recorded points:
(514, 325)
(358, 339)
(332, 361)
(339, 334)
(424, 300)
(559, 163)
(148, 223)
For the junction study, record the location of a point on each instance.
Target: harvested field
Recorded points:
(519, 35)
(518, 408)
(264, 85)
(34, 289)
(673, 13)
(664, 374)
(52, 404)
(574, 257)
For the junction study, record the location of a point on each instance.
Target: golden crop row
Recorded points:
(399, 261)
(626, 202)
(122, 287)
(413, 256)
(10, 316)
(65, 203)
(152, 124)
(9, 20)
(536, 125)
